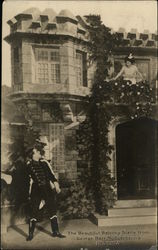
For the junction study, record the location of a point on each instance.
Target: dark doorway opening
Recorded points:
(136, 159)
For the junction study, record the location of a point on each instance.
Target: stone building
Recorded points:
(51, 77)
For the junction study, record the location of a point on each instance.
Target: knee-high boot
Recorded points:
(32, 224)
(55, 228)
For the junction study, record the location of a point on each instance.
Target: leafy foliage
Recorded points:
(138, 99)
(103, 42)
(95, 189)
(78, 203)
(108, 100)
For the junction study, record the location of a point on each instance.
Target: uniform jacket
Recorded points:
(40, 173)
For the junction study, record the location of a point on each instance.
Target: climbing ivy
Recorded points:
(108, 99)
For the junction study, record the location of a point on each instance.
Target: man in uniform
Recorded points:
(44, 186)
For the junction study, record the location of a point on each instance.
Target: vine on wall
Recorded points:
(95, 188)
(108, 100)
(94, 191)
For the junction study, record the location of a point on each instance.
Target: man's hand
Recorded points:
(56, 184)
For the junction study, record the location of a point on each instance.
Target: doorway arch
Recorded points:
(136, 158)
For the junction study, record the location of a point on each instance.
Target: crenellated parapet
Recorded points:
(51, 49)
(65, 23)
(48, 22)
(133, 38)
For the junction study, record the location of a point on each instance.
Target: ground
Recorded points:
(82, 235)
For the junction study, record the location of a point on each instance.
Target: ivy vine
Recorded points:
(108, 99)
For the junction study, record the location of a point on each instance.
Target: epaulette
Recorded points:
(44, 160)
(49, 165)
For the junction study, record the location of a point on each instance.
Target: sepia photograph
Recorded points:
(79, 125)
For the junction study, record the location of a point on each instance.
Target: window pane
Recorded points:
(57, 145)
(42, 55)
(79, 76)
(43, 72)
(54, 55)
(55, 73)
(79, 68)
(48, 67)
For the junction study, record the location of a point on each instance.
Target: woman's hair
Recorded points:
(130, 58)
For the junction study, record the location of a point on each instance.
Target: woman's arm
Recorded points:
(139, 74)
(119, 74)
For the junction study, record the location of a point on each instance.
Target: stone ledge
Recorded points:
(103, 220)
(135, 203)
(120, 212)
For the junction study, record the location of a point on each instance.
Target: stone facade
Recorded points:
(46, 42)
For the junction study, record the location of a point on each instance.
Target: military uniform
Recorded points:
(42, 188)
(41, 175)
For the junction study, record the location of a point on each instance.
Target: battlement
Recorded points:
(49, 22)
(65, 23)
(46, 49)
(133, 38)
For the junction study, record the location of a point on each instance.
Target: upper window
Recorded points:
(81, 69)
(47, 65)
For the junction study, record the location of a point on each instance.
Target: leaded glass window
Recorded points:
(57, 147)
(81, 68)
(47, 65)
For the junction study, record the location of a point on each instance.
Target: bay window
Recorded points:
(47, 65)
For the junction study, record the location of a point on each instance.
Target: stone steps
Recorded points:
(102, 220)
(128, 212)
(135, 211)
(136, 203)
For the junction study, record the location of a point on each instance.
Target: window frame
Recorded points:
(79, 66)
(48, 62)
(57, 153)
(83, 68)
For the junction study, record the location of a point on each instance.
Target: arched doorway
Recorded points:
(136, 159)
